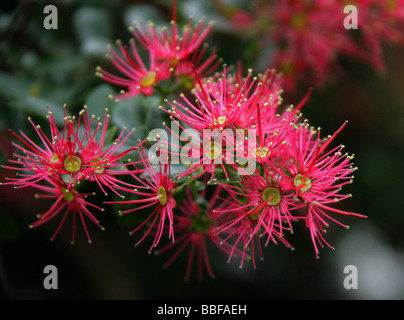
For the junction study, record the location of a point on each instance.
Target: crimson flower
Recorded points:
(183, 49)
(318, 177)
(68, 203)
(223, 109)
(171, 55)
(227, 102)
(78, 152)
(261, 206)
(135, 75)
(379, 23)
(196, 223)
(153, 189)
(310, 37)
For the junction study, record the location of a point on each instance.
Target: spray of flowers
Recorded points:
(310, 37)
(252, 169)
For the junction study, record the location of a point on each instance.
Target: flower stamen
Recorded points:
(213, 150)
(272, 195)
(262, 152)
(72, 164)
(302, 184)
(67, 194)
(163, 195)
(149, 79)
(99, 168)
(54, 159)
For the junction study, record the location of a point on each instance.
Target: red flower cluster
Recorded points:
(253, 167)
(294, 175)
(64, 159)
(310, 37)
(284, 171)
(172, 56)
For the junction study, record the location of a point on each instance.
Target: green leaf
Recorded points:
(98, 99)
(143, 12)
(2, 157)
(111, 134)
(92, 26)
(203, 9)
(199, 185)
(128, 113)
(154, 116)
(233, 177)
(12, 86)
(25, 96)
(37, 106)
(9, 229)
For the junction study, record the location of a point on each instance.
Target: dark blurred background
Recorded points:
(40, 67)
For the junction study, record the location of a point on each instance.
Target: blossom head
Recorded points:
(173, 46)
(135, 75)
(196, 225)
(319, 174)
(260, 207)
(228, 101)
(78, 152)
(69, 203)
(155, 189)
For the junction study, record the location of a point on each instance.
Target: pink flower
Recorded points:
(242, 19)
(155, 190)
(272, 134)
(293, 68)
(56, 156)
(310, 36)
(175, 45)
(205, 66)
(318, 176)
(78, 156)
(103, 161)
(261, 206)
(227, 102)
(239, 18)
(209, 150)
(246, 240)
(223, 110)
(184, 49)
(79, 152)
(69, 203)
(136, 76)
(196, 223)
(313, 35)
(379, 23)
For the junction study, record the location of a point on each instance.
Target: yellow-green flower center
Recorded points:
(221, 120)
(54, 159)
(391, 4)
(149, 79)
(272, 195)
(200, 223)
(254, 216)
(99, 167)
(72, 164)
(213, 150)
(67, 194)
(299, 21)
(303, 184)
(163, 195)
(287, 67)
(261, 152)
